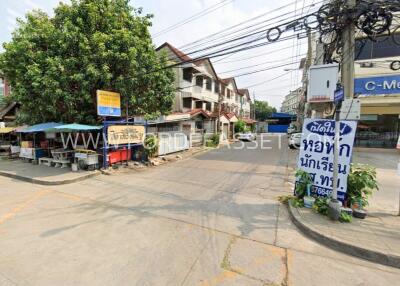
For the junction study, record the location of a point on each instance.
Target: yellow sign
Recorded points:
(108, 103)
(125, 134)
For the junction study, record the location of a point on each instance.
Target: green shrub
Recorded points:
(321, 205)
(151, 145)
(345, 217)
(361, 182)
(240, 126)
(303, 179)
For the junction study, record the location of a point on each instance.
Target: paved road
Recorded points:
(209, 220)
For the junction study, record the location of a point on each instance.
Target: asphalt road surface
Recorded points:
(209, 220)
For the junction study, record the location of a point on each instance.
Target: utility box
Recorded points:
(322, 80)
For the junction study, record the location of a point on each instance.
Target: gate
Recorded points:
(171, 142)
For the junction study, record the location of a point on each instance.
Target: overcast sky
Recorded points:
(169, 12)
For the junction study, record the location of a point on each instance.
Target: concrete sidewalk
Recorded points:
(41, 175)
(377, 238)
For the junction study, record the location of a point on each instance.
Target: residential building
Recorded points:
(291, 102)
(203, 102)
(7, 112)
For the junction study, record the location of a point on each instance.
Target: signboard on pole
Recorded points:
(339, 95)
(316, 154)
(125, 134)
(108, 103)
(351, 109)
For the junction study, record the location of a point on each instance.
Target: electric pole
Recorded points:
(347, 79)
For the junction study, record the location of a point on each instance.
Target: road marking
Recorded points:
(22, 206)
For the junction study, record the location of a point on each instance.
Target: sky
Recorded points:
(169, 12)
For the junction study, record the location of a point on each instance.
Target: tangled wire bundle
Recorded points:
(372, 18)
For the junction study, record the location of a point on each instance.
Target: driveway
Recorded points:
(208, 220)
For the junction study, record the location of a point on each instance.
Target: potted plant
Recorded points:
(303, 180)
(309, 200)
(361, 183)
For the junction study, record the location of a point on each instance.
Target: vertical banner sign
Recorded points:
(108, 103)
(316, 154)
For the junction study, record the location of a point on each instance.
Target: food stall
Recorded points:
(79, 147)
(6, 139)
(35, 144)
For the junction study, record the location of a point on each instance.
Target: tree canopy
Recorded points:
(56, 64)
(263, 110)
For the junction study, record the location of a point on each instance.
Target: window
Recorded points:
(216, 86)
(188, 74)
(187, 103)
(373, 50)
(223, 90)
(199, 81)
(228, 94)
(199, 104)
(236, 97)
(208, 83)
(208, 106)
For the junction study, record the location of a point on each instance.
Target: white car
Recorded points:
(291, 129)
(246, 136)
(294, 140)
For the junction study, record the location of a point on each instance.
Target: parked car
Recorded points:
(246, 136)
(294, 140)
(291, 129)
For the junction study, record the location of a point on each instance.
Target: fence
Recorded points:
(170, 142)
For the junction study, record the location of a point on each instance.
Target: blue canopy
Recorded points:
(74, 127)
(39, 127)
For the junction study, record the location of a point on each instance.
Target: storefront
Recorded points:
(379, 125)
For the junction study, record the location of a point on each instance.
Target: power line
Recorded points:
(256, 65)
(228, 32)
(194, 17)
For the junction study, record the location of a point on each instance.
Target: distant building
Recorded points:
(291, 102)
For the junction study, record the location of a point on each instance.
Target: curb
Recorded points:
(48, 183)
(341, 246)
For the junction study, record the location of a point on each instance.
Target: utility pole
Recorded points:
(347, 79)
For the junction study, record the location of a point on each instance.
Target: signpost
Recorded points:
(339, 95)
(316, 155)
(108, 103)
(350, 109)
(125, 134)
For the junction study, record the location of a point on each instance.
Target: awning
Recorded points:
(74, 127)
(6, 130)
(39, 127)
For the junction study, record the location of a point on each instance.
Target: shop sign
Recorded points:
(108, 103)
(377, 85)
(316, 154)
(125, 134)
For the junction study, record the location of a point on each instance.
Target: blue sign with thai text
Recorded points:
(377, 85)
(339, 95)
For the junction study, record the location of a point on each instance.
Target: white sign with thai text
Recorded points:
(316, 154)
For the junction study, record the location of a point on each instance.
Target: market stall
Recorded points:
(80, 146)
(8, 140)
(35, 144)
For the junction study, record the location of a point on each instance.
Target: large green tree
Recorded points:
(263, 110)
(56, 64)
